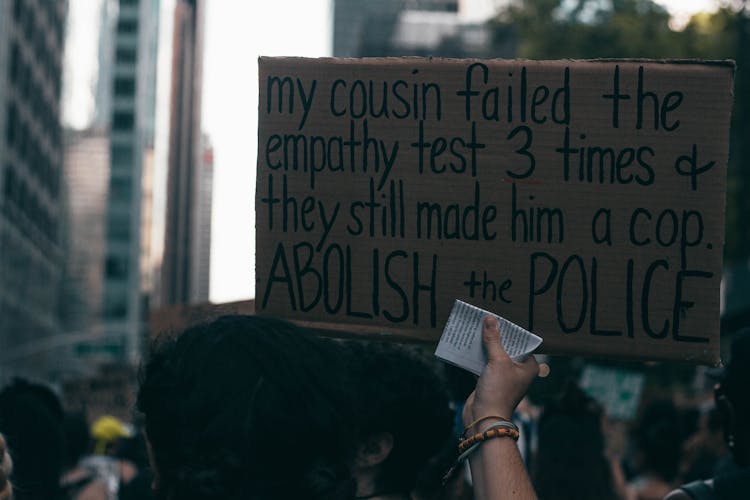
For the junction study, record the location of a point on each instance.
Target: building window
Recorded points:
(122, 155)
(128, 2)
(115, 307)
(119, 227)
(24, 140)
(26, 82)
(123, 120)
(127, 26)
(124, 86)
(125, 55)
(10, 126)
(116, 267)
(10, 181)
(29, 25)
(121, 189)
(14, 63)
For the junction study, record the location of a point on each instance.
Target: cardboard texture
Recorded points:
(582, 200)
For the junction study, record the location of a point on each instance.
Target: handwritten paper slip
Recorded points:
(461, 341)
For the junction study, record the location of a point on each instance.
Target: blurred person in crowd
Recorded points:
(79, 481)
(731, 480)
(108, 432)
(403, 417)
(433, 484)
(31, 419)
(135, 470)
(248, 407)
(107, 462)
(6, 467)
(571, 463)
(658, 438)
(703, 448)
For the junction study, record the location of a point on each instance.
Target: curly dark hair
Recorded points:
(402, 393)
(248, 407)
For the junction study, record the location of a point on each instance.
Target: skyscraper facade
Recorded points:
(31, 159)
(201, 267)
(185, 148)
(131, 133)
(85, 189)
(379, 28)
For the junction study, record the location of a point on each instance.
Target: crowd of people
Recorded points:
(251, 407)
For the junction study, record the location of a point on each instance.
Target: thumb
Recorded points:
(491, 340)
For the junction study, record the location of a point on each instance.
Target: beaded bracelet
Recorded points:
(480, 420)
(502, 423)
(467, 446)
(497, 431)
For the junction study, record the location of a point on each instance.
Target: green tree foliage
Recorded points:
(585, 29)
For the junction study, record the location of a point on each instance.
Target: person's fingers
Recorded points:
(4, 463)
(6, 467)
(530, 366)
(491, 340)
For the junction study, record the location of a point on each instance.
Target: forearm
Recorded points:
(497, 469)
(6, 466)
(498, 472)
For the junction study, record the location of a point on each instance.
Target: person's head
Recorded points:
(31, 421)
(659, 437)
(571, 463)
(247, 407)
(732, 401)
(403, 415)
(77, 438)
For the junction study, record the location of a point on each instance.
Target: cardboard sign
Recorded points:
(582, 200)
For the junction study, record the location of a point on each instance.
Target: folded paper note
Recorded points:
(461, 342)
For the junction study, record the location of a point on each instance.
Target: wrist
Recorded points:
(485, 422)
(476, 412)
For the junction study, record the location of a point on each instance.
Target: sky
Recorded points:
(236, 33)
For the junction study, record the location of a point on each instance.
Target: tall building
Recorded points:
(131, 128)
(31, 159)
(105, 63)
(365, 28)
(85, 190)
(361, 27)
(201, 267)
(179, 258)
